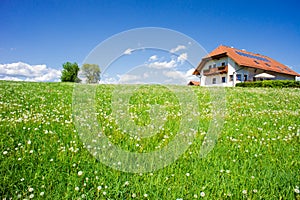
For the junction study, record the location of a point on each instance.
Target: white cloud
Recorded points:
(24, 72)
(153, 58)
(128, 51)
(189, 75)
(162, 65)
(178, 48)
(129, 78)
(182, 57)
(174, 74)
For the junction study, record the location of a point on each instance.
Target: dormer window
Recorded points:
(256, 61)
(223, 63)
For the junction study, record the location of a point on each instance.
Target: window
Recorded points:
(239, 77)
(215, 65)
(209, 67)
(214, 81)
(245, 77)
(231, 77)
(223, 63)
(223, 79)
(268, 64)
(256, 61)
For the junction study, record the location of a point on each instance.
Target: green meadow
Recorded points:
(256, 156)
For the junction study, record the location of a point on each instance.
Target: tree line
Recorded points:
(89, 72)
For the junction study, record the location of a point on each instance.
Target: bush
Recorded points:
(271, 84)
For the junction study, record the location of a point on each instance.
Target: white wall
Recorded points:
(207, 80)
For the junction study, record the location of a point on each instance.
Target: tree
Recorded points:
(91, 72)
(70, 72)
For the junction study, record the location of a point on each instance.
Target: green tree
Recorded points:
(70, 72)
(91, 72)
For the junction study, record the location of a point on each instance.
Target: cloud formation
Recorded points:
(24, 72)
(178, 48)
(182, 57)
(153, 58)
(128, 51)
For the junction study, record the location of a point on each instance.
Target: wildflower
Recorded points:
(126, 183)
(146, 195)
(202, 194)
(77, 188)
(80, 173)
(104, 193)
(296, 190)
(227, 171)
(244, 192)
(83, 196)
(28, 142)
(255, 190)
(19, 159)
(133, 195)
(252, 177)
(5, 152)
(31, 151)
(99, 188)
(42, 193)
(30, 189)
(187, 174)
(31, 196)
(195, 196)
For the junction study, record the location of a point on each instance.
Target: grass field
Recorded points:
(257, 155)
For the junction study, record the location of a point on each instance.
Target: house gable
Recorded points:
(247, 59)
(234, 65)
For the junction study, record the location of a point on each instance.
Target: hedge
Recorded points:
(271, 83)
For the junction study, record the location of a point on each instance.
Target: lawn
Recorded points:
(45, 155)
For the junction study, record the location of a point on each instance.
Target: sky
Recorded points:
(37, 37)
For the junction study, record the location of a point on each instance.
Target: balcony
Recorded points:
(217, 70)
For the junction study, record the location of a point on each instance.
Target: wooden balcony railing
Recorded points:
(217, 70)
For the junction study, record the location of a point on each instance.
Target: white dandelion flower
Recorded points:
(202, 194)
(80, 173)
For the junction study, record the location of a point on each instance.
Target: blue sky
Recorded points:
(45, 34)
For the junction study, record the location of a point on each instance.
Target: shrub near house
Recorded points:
(271, 83)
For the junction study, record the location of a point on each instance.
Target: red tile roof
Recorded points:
(248, 59)
(194, 83)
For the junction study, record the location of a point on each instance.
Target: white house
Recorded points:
(226, 66)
